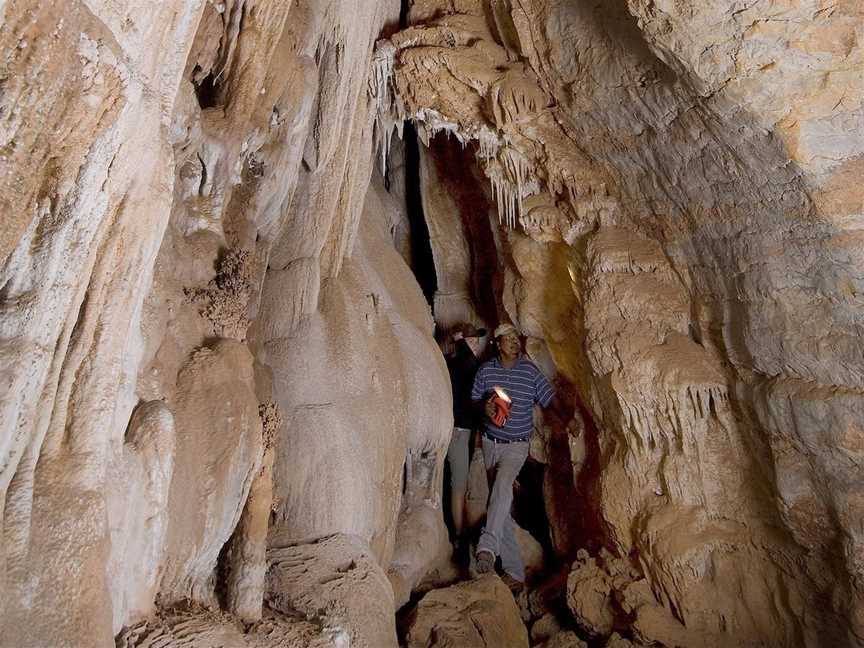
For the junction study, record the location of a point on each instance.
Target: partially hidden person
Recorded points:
(508, 382)
(462, 365)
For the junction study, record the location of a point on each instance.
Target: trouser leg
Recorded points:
(458, 460)
(511, 554)
(506, 462)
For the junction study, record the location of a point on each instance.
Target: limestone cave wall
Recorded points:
(687, 253)
(200, 303)
(222, 400)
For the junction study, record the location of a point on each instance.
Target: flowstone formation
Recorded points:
(684, 253)
(199, 312)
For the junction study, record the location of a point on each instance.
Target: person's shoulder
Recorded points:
(527, 363)
(531, 366)
(485, 366)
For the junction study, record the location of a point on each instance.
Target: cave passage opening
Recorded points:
(422, 260)
(458, 247)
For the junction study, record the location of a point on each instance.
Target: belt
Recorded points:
(503, 441)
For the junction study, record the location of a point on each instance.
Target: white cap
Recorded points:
(504, 329)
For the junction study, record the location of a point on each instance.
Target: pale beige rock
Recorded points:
(219, 453)
(138, 510)
(246, 557)
(457, 211)
(337, 582)
(544, 628)
(421, 539)
(358, 418)
(617, 641)
(566, 639)
(532, 553)
(476, 614)
(698, 167)
(198, 628)
(83, 108)
(590, 591)
(141, 143)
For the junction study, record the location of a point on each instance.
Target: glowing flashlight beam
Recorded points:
(502, 394)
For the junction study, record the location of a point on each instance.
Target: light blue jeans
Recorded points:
(503, 463)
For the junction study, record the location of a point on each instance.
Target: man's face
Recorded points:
(509, 344)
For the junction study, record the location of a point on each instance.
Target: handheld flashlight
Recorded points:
(502, 403)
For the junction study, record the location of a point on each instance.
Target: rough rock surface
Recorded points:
(590, 592)
(179, 180)
(337, 582)
(679, 176)
(544, 628)
(219, 446)
(359, 419)
(192, 228)
(246, 562)
(476, 614)
(566, 639)
(197, 628)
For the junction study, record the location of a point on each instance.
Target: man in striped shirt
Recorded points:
(505, 448)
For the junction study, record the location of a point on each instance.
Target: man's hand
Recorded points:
(489, 408)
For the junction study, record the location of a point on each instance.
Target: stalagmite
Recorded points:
(247, 551)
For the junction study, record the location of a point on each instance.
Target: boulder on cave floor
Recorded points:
(544, 628)
(565, 639)
(591, 587)
(336, 581)
(479, 613)
(617, 641)
(606, 594)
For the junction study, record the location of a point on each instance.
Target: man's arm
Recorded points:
(562, 413)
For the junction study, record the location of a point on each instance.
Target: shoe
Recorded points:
(485, 562)
(514, 585)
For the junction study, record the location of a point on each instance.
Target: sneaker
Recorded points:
(485, 561)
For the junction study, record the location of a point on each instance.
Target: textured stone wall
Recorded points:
(183, 184)
(216, 365)
(686, 252)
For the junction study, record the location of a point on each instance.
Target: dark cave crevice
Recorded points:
(457, 168)
(422, 261)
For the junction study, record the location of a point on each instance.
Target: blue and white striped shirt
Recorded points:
(524, 384)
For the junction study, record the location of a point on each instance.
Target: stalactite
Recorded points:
(232, 16)
(489, 142)
(671, 414)
(388, 110)
(506, 168)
